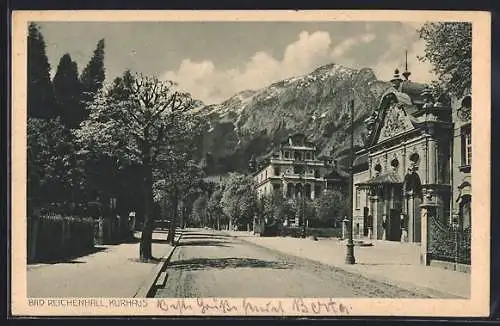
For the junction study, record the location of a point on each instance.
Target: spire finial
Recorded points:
(406, 73)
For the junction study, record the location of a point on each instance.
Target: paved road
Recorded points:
(212, 264)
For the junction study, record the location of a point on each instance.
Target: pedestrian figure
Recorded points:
(131, 222)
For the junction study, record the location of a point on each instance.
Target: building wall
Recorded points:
(360, 201)
(461, 174)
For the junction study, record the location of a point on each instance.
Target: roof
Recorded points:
(336, 174)
(361, 159)
(386, 178)
(413, 90)
(408, 96)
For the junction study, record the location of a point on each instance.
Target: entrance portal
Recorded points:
(394, 225)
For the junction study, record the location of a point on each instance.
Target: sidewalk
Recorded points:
(112, 271)
(389, 262)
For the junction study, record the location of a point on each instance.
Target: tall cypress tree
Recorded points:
(39, 88)
(93, 75)
(67, 91)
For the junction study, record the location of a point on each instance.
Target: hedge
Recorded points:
(54, 237)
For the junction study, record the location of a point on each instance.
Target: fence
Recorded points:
(55, 237)
(448, 243)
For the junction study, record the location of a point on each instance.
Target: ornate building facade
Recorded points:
(412, 178)
(295, 170)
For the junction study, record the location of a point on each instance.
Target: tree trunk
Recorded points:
(145, 252)
(171, 232)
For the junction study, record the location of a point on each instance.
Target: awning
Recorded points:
(390, 178)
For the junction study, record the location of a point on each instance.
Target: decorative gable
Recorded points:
(396, 122)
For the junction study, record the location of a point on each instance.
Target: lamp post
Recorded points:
(302, 199)
(349, 258)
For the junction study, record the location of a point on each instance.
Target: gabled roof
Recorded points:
(409, 100)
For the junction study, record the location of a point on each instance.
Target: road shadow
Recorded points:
(160, 241)
(386, 264)
(205, 235)
(198, 238)
(153, 260)
(224, 263)
(203, 243)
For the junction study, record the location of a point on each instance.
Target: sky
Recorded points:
(215, 60)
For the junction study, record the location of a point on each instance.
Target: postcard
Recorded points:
(250, 163)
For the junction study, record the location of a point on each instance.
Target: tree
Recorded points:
(178, 179)
(199, 212)
(448, 47)
(214, 207)
(239, 199)
(67, 91)
(275, 210)
(93, 75)
(40, 93)
(52, 172)
(331, 207)
(135, 119)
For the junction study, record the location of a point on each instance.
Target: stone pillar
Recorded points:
(411, 216)
(432, 167)
(313, 194)
(285, 188)
(384, 227)
(424, 254)
(375, 212)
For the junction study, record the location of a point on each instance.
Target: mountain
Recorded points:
(255, 121)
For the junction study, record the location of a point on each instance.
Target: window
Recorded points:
(277, 171)
(287, 154)
(299, 169)
(357, 198)
(466, 148)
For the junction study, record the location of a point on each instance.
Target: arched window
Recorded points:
(414, 160)
(395, 164)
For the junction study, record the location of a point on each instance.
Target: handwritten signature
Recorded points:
(248, 307)
(320, 306)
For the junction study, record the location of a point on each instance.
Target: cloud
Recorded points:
(309, 51)
(394, 58)
(205, 82)
(350, 43)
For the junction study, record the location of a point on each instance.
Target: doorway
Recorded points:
(394, 227)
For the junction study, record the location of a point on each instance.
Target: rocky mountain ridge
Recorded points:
(316, 104)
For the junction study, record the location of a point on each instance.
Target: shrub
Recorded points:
(53, 237)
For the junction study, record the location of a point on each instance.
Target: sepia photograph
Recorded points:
(212, 165)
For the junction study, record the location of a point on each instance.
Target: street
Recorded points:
(210, 263)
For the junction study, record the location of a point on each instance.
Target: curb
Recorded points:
(433, 293)
(148, 286)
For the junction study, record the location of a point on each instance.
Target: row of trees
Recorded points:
(129, 139)
(235, 202)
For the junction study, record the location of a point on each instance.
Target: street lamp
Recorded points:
(349, 258)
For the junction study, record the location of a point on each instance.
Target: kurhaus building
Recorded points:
(412, 178)
(295, 169)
